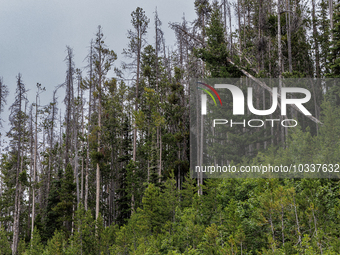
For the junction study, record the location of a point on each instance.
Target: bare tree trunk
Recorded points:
(316, 43)
(137, 92)
(159, 39)
(75, 137)
(269, 53)
(244, 22)
(239, 24)
(315, 104)
(160, 154)
(297, 222)
(272, 228)
(331, 17)
(34, 163)
(50, 160)
(280, 62)
(139, 48)
(260, 50)
(98, 168)
(99, 129)
(89, 130)
(289, 40)
(198, 155)
(16, 216)
(31, 170)
(201, 155)
(82, 149)
(60, 140)
(230, 29)
(282, 225)
(225, 16)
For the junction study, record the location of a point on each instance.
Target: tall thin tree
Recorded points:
(17, 120)
(103, 59)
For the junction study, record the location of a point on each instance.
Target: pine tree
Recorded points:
(123, 194)
(56, 244)
(216, 53)
(4, 244)
(334, 56)
(52, 215)
(324, 37)
(17, 133)
(203, 9)
(103, 59)
(136, 36)
(84, 238)
(35, 247)
(67, 198)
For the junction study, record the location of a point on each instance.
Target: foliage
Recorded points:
(137, 134)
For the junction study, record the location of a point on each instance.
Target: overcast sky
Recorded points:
(34, 35)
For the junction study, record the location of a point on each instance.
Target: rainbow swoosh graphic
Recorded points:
(208, 92)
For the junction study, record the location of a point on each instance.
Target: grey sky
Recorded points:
(34, 35)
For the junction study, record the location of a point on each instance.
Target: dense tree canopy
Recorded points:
(111, 174)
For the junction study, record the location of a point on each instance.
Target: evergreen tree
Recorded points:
(335, 47)
(141, 157)
(56, 244)
(17, 133)
(4, 243)
(67, 198)
(215, 54)
(103, 59)
(137, 39)
(35, 247)
(51, 220)
(324, 37)
(134, 51)
(124, 175)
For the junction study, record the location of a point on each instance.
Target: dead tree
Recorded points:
(40, 90)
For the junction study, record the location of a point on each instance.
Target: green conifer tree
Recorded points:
(215, 54)
(4, 243)
(334, 56)
(51, 221)
(67, 198)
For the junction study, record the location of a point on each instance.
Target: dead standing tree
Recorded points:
(40, 90)
(89, 84)
(69, 102)
(159, 36)
(3, 95)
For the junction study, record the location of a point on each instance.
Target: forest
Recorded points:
(106, 169)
